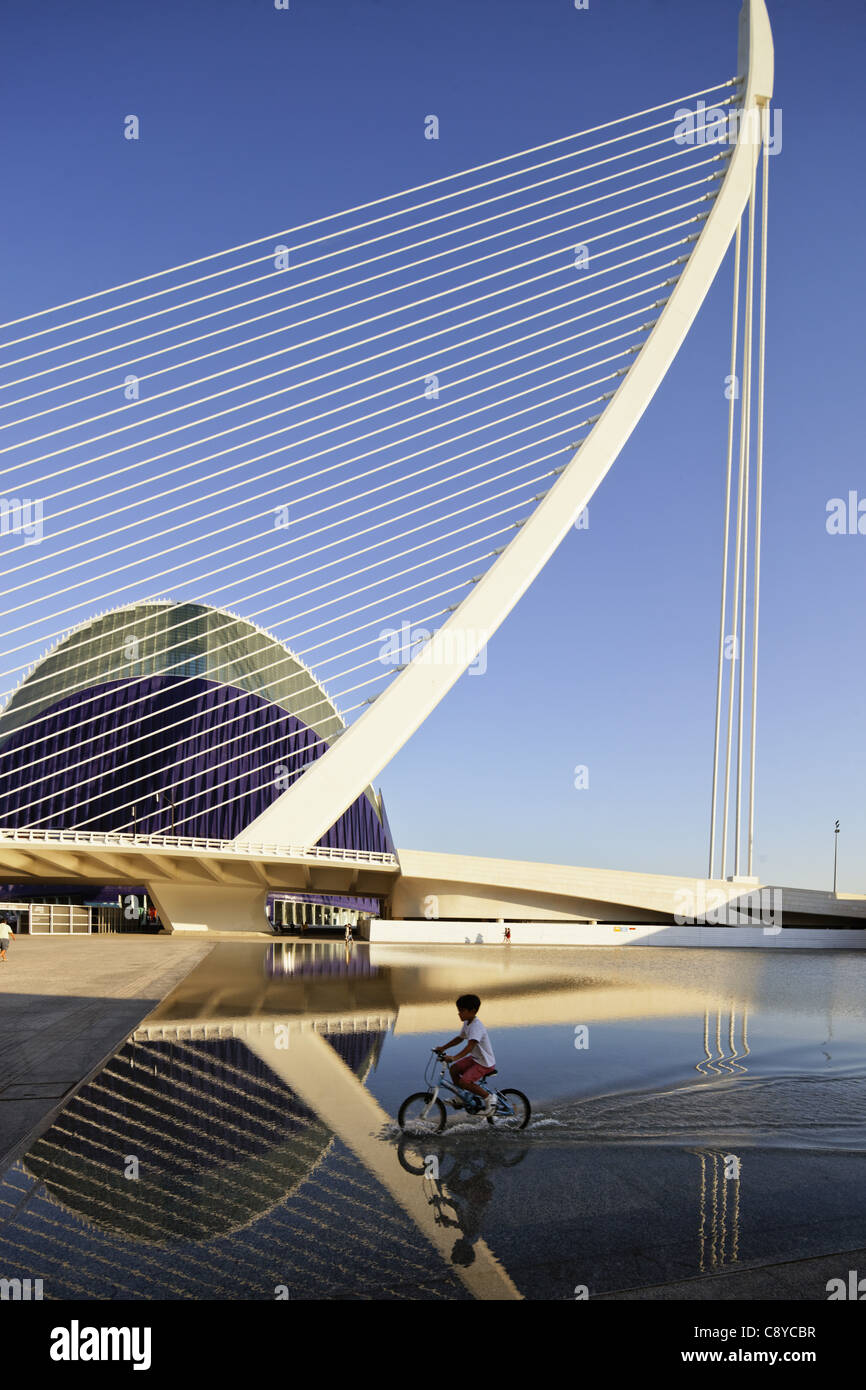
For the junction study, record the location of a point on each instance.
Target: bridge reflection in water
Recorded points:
(232, 1147)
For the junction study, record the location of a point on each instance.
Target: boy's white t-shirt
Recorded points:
(475, 1032)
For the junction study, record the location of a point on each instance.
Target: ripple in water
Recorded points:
(800, 1112)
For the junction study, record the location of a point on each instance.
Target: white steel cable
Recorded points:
(386, 428)
(378, 582)
(227, 801)
(144, 757)
(232, 622)
(531, 280)
(398, 213)
(172, 472)
(365, 569)
(212, 747)
(205, 356)
(313, 683)
(529, 299)
(345, 595)
(213, 376)
(173, 786)
(424, 507)
(494, 404)
(725, 543)
(360, 207)
(287, 657)
(270, 275)
(759, 479)
(234, 545)
(166, 789)
(190, 405)
(116, 367)
(444, 368)
(180, 626)
(745, 432)
(417, 453)
(428, 580)
(383, 467)
(362, 589)
(247, 479)
(178, 682)
(216, 687)
(231, 781)
(737, 652)
(344, 634)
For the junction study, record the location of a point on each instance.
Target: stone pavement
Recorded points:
(66, 1002)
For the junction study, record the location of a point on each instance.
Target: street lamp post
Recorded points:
(156, 797)
(835, 855)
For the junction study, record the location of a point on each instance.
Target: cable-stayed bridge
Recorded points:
(313, 473)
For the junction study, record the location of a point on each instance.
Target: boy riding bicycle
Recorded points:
(476, 1059)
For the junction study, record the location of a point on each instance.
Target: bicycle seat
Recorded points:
(494, 1072)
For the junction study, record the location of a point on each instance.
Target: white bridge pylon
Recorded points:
(318, 488)
(312, 804)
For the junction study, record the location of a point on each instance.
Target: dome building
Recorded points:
(169, 719)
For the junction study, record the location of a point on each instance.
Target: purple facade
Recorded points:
(116, 756)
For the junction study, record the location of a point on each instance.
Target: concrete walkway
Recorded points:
(66, 1002)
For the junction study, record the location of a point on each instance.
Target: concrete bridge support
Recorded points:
(199, 907)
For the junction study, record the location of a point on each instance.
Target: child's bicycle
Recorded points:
(425, 1113)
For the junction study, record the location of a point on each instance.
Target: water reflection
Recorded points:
(180, 1141)
(719, 1229)
(722, 1063)
(242, 1139)
(457, 1179)
(287, 958)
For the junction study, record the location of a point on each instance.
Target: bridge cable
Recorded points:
(759, 475)
(731, 82)
(51, 371)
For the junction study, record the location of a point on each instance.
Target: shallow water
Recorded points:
(693, 1112)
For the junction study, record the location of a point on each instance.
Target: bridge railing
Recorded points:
(109, 838)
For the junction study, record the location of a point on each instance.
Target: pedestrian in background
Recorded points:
(5, 939)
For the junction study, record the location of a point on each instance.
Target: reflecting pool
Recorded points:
(693, 1112)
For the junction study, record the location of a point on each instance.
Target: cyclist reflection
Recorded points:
(458, 1182)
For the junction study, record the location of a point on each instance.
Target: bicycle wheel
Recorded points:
(411, 1154)
(520, 1111)
(414, 1152)
(411, 1115)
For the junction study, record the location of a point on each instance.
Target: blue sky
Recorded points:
(253, 119)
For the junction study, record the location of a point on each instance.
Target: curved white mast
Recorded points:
(303, 813)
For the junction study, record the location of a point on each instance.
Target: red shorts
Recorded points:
(467, 1069)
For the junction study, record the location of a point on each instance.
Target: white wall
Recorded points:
(607, 934)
